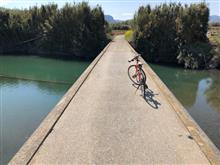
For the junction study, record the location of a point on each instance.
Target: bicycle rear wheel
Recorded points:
(138, 77)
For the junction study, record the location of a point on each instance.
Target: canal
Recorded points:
(29, 88)
(199, 92)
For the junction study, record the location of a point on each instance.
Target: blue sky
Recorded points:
(119, 9)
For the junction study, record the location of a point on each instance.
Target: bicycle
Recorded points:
(136, 73)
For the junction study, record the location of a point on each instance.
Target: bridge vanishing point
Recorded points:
(103, 120)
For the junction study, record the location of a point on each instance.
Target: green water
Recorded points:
(41, 68)
(25, 103)
(199, 92)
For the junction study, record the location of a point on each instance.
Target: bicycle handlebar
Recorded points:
(135, 58)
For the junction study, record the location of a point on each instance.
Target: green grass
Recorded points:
(216, 37)
(129, 35)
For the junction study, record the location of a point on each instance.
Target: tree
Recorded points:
(172, 33)
(74, 30)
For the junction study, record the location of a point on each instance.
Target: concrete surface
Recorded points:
(107, 122)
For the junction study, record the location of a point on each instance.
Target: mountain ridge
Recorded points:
(110, 19)
(214, 18)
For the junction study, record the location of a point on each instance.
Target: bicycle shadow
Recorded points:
(149, 97)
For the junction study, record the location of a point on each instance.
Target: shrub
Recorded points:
(196, 55)
(129, 35)
(170, 33)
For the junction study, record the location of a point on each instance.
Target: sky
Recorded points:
(119, 9)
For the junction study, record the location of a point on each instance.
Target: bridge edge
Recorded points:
(203, 141)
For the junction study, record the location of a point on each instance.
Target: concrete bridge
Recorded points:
(102, 120)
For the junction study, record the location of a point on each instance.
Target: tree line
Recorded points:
(173, 33)
(75, 30)
(122, 25)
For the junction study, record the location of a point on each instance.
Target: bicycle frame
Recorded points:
(137, 75)
(137, 70)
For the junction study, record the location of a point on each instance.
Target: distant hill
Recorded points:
(111, 19)
(214, 18)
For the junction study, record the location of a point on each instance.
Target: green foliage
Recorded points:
(129, 35)
(169, 33)
(195, 55)
(74, 30)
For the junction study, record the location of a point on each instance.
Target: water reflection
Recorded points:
(199, 92)
(213, 93)
(37, 68)
(24, 105)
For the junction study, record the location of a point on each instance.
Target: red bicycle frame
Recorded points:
(137, 70)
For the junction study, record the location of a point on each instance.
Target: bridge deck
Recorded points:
(108, 123)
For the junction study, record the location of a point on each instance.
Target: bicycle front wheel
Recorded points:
(137, 76)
